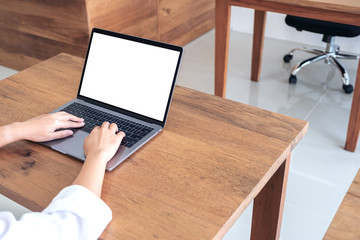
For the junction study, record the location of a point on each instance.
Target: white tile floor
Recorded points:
(6, 72)
(320, 171)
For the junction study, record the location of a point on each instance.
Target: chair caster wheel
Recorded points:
(292, 79)
(337, 50)
(348, 88)
(287, 58)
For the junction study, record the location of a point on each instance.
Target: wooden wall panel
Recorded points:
(19, 50)
(32, 31)
(135, 17)
(185, 20)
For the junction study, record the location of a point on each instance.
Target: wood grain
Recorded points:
(36, 30)
(346, 11)
(346, 223)
(179, 21)
(269, 205)
(346, 6)
(353, 131)
(192, 181)
(258, 43)
(222, 38)
(136, 17)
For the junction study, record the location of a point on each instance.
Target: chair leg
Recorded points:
(344, 74)
(348, 88)
(313, 51)
(302, 64)
(288, 57)
(346, 56)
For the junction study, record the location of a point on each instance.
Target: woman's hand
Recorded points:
(43, 128)
(40, 129)
(103, 142)
(99, 147)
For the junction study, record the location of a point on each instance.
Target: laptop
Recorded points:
(125, 80)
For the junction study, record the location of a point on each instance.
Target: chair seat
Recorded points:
(322, 27)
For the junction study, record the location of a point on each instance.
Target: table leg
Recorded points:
(258, 42)
(269, 205)
(354, 120)
(222, 30)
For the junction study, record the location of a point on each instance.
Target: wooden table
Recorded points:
(346, 223)
(192, 181)
(345, 11)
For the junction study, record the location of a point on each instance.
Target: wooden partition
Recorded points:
(32, 31)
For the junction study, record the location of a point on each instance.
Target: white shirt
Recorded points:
(75, 213)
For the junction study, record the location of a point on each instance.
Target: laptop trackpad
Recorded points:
(72, 145)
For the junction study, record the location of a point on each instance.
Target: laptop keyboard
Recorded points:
(93, 117)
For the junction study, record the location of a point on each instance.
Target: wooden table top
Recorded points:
(345, 11)
(346, 223)
(192, 181)
(334, 5)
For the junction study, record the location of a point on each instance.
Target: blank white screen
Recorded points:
(129, 75)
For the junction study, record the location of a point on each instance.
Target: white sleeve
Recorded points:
(75, 213)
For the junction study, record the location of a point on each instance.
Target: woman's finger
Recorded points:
(113, 127)
(69, 117)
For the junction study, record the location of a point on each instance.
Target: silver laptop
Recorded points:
(126, 80)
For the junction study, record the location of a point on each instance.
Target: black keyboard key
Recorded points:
(93, 117)
(87, 129)
(136, 137)
(128, 141)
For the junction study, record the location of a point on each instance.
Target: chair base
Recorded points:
(347, 88)
(330, 56)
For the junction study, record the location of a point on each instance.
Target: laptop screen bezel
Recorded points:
(121, 110)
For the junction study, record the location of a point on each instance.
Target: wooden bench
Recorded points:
(346, 223)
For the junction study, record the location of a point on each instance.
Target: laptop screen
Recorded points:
(133, 75)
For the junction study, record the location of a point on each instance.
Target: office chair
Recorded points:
(331, 53)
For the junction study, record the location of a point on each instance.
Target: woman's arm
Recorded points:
(76, 212)
(40, 129)
(99, 147)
